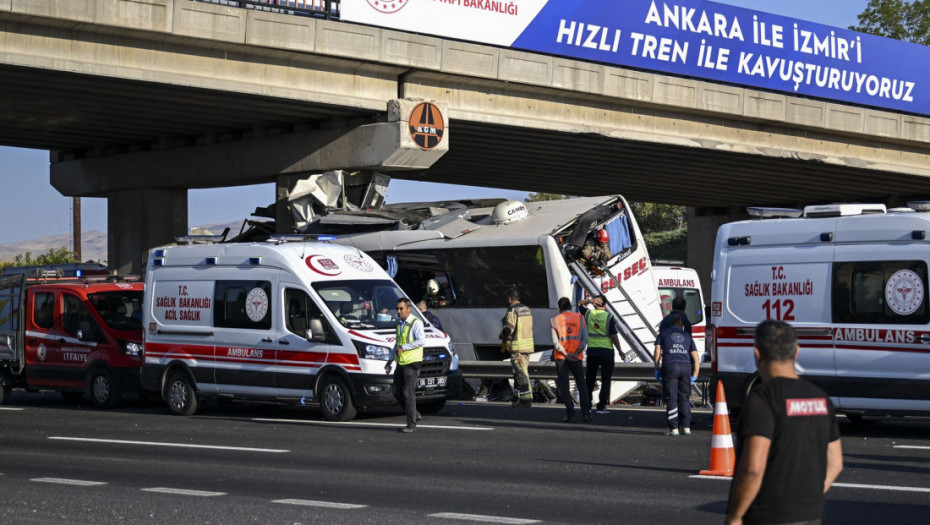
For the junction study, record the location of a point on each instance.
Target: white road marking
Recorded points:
(326, 504)
(479, 517)
(881, 487)
(11, 409)
(183, 492)
(845, 485)
(918, 447)
(364, 424)
(179, 445)
(75, 482)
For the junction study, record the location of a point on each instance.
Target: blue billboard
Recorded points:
(693, 38)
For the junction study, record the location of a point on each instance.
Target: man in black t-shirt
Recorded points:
(788, 442)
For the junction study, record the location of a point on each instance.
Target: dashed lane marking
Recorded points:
(183, 492)
(74, 482)
(918, 447)
(881, 487)
(483, 519)
(844, 485)
(325, 504)
(179, 445)
(11, 409)
(365, 424)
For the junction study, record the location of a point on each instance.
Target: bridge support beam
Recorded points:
(138, 220)
(702, 234)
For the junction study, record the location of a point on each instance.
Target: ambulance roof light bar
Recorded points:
(842, 210)
(773, 213)
(300, 237)
(199, 239)
(919, 205)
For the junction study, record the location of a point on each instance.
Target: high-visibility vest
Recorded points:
(598, 321)
(405, 357)
(569, 326)
(521, 339)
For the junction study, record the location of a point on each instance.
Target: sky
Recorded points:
(31, 208)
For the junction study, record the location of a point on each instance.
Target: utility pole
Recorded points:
(76, 221)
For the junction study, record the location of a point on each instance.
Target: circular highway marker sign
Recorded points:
(426, 125)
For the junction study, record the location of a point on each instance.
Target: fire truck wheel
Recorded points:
(103, 389)
(181, 394)
(336, 399)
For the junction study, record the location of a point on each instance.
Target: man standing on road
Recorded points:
(788, 440)
(408, 350)
(603, 337)
(569, 337)
(517, 337)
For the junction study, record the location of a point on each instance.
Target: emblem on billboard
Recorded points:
(323, 265)
(426, 125)
(904, 292)
(358, 263)
(388, 6)
(41, 352)
(256, 304)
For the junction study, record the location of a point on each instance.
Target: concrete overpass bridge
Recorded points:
(141, 100)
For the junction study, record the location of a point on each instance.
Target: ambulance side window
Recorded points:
(242, 304)
(43, 310)
(880, 292)
(303, 314)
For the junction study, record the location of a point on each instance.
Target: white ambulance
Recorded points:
(678, 281)
(279, 322)
(852, 279)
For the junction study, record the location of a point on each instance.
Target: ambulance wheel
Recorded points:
(181, 394)
(432, 407)
(103, 389)
(336, 399)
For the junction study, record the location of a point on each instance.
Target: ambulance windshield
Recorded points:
(694, 310)
(362, 304)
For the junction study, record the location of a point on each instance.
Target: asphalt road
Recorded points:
(471, 463)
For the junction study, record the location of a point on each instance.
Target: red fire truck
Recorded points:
(73, 335)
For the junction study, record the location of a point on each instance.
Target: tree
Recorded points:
(898, 19)
(52, 256)
(653, 217)
(539, 197)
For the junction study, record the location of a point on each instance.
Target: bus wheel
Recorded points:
(181, 394)
(431, 407)
(103, 389)
(336, 399)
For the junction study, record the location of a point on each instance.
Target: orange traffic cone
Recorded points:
(722, 454)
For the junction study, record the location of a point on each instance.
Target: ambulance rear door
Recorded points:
(882, 327)
(778, 269)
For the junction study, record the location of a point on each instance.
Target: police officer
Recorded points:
(517, 340)
(569, 337)
(408, 350)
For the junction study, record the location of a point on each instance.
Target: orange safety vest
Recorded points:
(569, 326)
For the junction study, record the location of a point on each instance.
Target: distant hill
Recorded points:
(93, 243)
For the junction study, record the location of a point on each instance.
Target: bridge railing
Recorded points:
(328, 9)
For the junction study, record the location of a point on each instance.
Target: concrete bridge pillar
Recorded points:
(702, 234)
(141, 219)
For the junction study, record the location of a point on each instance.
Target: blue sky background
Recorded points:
(31, 208)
